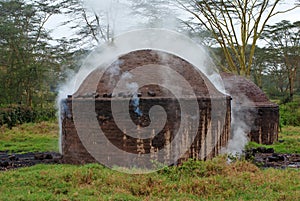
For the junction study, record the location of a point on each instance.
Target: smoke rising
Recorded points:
(136, 105)
(131, 90)
(242, 110)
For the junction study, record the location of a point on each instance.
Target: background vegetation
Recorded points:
(290, 113)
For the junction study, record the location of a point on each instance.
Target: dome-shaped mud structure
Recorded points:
(106, 79)
(251, 106)
(119, 84)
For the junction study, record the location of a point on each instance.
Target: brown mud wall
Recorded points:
(211, 135)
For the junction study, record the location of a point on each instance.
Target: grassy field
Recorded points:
(209, 180)
(30, 137)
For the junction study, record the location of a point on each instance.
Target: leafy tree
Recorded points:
(260, 66)
(156, 14)
(268, 73)
(235, 25)
(284, 39)
(26, 57)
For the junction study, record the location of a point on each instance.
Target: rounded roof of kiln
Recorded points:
(244, 92)
(103, 81)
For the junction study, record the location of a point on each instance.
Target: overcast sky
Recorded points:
(292, 16)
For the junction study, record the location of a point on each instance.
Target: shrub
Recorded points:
(18, 114)
(290, 114)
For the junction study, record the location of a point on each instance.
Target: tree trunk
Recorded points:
(291, 88)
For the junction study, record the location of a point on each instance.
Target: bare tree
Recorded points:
(89, 26)
(236, 25)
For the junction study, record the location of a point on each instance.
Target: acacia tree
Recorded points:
(260, 66)
(268, 73)
(236, 25)
(25, 52)
(284, 39)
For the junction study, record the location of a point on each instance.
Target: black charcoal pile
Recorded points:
(267, 158)
(13, 161)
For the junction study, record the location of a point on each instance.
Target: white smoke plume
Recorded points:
(242, 111)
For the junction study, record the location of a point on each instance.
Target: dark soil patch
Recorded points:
(262, 157)
(13, 161)
(267, 158)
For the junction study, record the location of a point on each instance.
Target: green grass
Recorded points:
(30, 137)
(210, 180)
(291, 141)
(194, 180)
